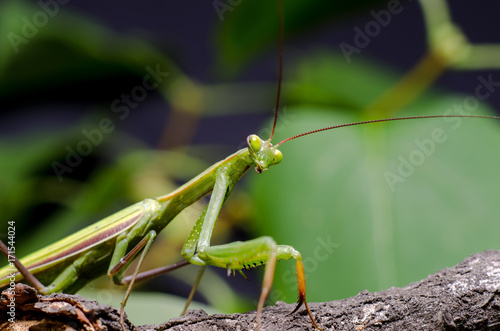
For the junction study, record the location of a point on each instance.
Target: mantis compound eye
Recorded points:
(254, 142)
(278, 156)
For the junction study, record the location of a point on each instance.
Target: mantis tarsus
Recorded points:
(110, 245)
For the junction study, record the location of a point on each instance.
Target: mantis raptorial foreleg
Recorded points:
(239, 255)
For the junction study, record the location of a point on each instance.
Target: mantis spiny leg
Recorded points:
(240, 255)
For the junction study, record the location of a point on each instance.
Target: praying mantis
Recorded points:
(135, 228)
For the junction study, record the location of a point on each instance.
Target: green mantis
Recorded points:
(109, 246)
(69, 264)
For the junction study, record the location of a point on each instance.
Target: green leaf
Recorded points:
(74, 52)
(249, 26)
(23, 158)
(325, 79)
(380, 205)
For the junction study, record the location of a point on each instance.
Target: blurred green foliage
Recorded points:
(381, 205)
(249, 26)
(329, 198)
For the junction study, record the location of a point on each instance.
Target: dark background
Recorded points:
(50, 88)
(185, 30)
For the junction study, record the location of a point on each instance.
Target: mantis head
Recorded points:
(263, 153)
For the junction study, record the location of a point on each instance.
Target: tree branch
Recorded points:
(465, 297)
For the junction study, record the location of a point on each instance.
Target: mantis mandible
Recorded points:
(110, 245)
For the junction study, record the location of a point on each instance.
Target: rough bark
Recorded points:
(465, 297)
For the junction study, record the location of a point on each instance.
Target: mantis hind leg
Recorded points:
(72, 277)
(146, 242)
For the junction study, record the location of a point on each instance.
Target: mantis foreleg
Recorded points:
(239, 255)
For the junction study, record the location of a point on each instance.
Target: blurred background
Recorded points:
(105, 104)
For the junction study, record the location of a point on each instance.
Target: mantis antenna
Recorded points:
(383, 120)
(279, 4)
